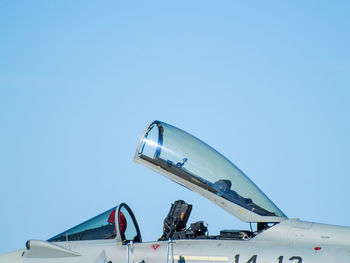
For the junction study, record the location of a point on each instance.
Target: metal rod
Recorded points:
(169, 250)
(172, 251)
(127, 253)
(132, 250)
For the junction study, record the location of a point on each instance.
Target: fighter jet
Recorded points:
(114, 236)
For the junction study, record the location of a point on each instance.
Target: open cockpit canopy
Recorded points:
(104, 226)
(195, 165)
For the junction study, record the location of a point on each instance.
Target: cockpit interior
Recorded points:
(192, 163)
(124, 228)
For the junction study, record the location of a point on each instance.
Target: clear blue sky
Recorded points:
(266, 83)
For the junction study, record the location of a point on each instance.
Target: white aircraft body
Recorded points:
(114, 236)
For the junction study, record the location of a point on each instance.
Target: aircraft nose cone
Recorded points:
(12, 257)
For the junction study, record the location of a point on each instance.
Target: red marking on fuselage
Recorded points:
(155, 247)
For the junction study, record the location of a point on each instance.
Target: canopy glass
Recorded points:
(107, 225)
(194, 164)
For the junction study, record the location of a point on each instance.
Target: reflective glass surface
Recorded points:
(99, 227)
(127, 226)
(187, 157)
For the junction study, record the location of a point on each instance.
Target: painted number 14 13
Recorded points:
(254, 259)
